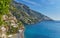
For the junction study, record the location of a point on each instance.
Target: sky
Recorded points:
(50, 8)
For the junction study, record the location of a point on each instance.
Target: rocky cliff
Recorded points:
(25, 14)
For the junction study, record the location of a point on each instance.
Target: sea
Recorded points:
(44, 29)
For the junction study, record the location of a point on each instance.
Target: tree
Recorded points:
(4, 9)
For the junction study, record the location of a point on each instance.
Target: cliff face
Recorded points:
(10, 24)
(25, 14)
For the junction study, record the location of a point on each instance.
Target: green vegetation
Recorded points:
(4, 9)
(13, 30)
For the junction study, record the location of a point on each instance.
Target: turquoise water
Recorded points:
(44, 29)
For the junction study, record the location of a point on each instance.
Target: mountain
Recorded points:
(14, 15)
(26, 15)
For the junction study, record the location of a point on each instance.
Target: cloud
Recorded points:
(32, 2)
